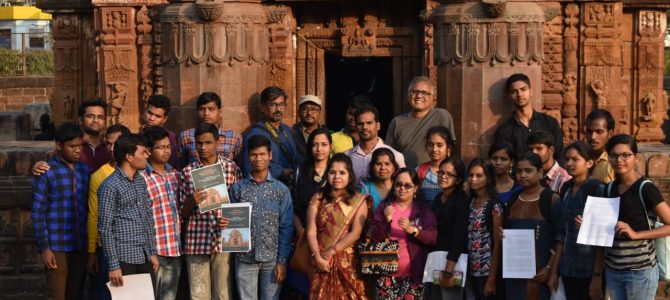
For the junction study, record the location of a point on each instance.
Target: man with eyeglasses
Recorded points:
(284, 155)
(309, 116)
(407, 132)
(92, 121)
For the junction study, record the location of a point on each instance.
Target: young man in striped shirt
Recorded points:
(59, 215)
(163, 184)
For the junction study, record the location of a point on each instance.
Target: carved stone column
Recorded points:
(218, 46)
(74, 52)
(474, 53)
(279, 71)
(651, 104)
(569, 121)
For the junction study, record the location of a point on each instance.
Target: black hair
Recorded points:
(357, 101)
(375, 156)
(68, 131)
(271, 93)
(443, 132)
(127, 144)
(621, 139)
(117, 128)
(582, 148)
(502, 145)
(459, 166)
(208, 97)
(412, 175)
(532, 158)
(540, 137)
(257, 141)
(351, 188)
(91, 102)
(366, 109)
(205, 127)
(490, 176)
(598, 114)
(163, 102)
(514, 78)
(310, 141)
(152, 134)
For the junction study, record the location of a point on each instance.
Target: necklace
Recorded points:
(528, 200)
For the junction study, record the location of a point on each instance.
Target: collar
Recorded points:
(101, 144)
(378, 145)
(150, 170)
(199, 164)
(532, 117)
(123, 174)
(58, 160)
(603, 157)
(551, 174)
(268, 178)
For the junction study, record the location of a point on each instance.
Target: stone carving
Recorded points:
(495, 8)
(570, 129)
(276, 16)
(145, 44)
(599, 88)
(245, 39)
(68, 107)
(144, 25)
(209, 10)
(117, 102)
(647, 107)
(67, 64)
(359, 40)
(552, 64)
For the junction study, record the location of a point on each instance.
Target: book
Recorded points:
(237, 236)
(211, 180)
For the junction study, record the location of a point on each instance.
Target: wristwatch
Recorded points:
(415, 231)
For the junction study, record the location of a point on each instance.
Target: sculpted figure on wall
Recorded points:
(116, 102)
(599, 88)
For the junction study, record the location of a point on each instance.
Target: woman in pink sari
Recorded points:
(335, 220)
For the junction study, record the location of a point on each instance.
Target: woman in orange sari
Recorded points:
(335, 220)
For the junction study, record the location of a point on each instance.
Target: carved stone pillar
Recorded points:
(74, 52)
(569, 121)
(475, 53)
(651, 104)
(601, 81)
(279, 71)
(214, 46)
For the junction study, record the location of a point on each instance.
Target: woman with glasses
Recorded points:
(451, 210)
(438, 146)
(379, 182)
(335, 220)
(630, 264)
(400, 217)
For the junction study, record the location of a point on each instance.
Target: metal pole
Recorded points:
(23, 54)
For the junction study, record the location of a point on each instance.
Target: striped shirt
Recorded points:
(203, 234)
(230, 145)
(125, 224)
(627, 255)
(59, 206)
(556, 177)
(163, 192)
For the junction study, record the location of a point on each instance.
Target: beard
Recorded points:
(91, 131)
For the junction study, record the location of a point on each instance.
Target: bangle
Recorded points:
(548, 267)
(314, 253)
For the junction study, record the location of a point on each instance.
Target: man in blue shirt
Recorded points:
(126, 223)
(273, 104)
(271, 226)
(59, 215)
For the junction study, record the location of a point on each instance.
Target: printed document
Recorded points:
(599, 221)
(518, 253)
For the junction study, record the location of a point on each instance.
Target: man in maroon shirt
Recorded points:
(92, 120)
(156, 114)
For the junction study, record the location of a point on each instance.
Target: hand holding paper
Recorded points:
(599, 221)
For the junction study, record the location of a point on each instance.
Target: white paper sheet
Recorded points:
(437, 260)
(135, 287)
(518, 253)
(599, 221)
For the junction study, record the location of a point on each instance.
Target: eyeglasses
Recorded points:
(621, 157)
(407, 186)
(277, 105)
(164, 147)
(414, 92)
(441, 174)
(94, 117)
(310, 109)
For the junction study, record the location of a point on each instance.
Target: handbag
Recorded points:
(300, 260)
(379, 258)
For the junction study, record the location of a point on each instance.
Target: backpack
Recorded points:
(422, 171)
(661, 244)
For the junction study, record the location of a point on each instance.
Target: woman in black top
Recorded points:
(451, 211)
(310, 177)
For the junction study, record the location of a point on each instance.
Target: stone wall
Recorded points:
(16, 92)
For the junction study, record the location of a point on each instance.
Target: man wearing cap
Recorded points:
(309, 113)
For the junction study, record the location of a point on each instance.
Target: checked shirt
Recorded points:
(59, 207)
(125, 223)
(163, 191)
(203, 234)
(230, 144)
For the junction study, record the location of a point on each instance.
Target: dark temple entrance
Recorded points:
(369, 76)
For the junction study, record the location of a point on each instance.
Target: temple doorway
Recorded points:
(349, 76)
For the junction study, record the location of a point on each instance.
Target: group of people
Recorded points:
(111, 203)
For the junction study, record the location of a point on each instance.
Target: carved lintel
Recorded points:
(276, 16)
(495, 8)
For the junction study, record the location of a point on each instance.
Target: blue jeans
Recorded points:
(632, 285)
(247, 280)
(167, 277)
